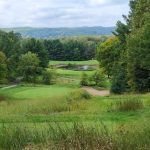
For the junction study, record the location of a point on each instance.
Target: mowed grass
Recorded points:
(72, 73)
(89, 62)
(35, 92)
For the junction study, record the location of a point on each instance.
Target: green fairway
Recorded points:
(49, 103)
(89, 62)
(72, 73)
(36, 92)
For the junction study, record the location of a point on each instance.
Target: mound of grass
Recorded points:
(78, 95)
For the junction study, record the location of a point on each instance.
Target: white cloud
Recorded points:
(55, 13)
(98, 2)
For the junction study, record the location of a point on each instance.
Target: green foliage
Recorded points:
(10, 46)
(10, 43)
(78, 95)
(29, 66)
(3, 67)
(138, 57)
(118, 81)
(73, 49)
(37, 47)
(138, 46)
(108, 54)
(49, 77)
(126, 58)
(99, 78)
(84, 79)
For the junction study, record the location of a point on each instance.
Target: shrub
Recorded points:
(119, 82)
(84, 79)
(99, 78)
(49, 77)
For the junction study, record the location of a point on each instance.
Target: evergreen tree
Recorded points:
(3, 67)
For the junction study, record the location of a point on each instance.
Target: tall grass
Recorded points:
(73, 137)
(2, 98)
(128, 104)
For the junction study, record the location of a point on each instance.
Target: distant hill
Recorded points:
(61, 32)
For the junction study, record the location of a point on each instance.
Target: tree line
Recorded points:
(126, 57)
(30, 57)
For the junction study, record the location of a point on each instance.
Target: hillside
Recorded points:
(61, 32)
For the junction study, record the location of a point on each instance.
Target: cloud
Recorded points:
(61, 13)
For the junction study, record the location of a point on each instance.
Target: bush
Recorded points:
(84, 79)
(99, 79)
(119, 82)
(49, 77)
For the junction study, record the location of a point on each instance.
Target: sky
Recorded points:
(61, 13)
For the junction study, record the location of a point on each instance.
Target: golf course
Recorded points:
(34, 113)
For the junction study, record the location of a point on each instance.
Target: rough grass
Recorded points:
(30, 120)
(127, 104)
(130, 105)
(77, 136)
(2, 98)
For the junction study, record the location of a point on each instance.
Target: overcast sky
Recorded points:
(61, 13)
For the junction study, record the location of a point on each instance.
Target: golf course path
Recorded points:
(9, 87)
(95, 92)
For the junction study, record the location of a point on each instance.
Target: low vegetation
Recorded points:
(97, 79)
(128, 104)
(77, 136)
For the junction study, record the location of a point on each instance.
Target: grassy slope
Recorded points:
(47, 97)
(30, 105)
(36, 92)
